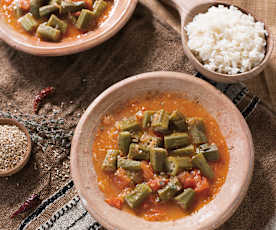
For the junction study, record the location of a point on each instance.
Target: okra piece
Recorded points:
(175, 165)
(178, 121)
(157, 159)
(129, 124)
(135, 198)
(48, 33)
(99, 7)
(55, 2)
(57, 23)
(124, 141)
(200, 162)
(196, 129)
(28, 22)
(186, 151)
(135, 176)
(210, 152)
(85, 20)
(185, 199)
(170, 190)
(18, 10)
(34, 7)
(176, 140)
(146, 122)
(46, 10)
(66, 7)
(150, 141)
(138, 152)
(128, 164)
(110, 161)
(160, 121)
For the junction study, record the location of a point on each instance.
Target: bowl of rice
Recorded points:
(225, 43)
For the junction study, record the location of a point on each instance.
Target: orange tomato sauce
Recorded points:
(106, 138)
(7, 10)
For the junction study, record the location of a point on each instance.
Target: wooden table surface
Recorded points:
(264, 85)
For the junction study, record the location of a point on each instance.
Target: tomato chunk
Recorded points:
(195, 181)
(157, 183)
(147, 170)
(24, 4)
(187, 180)
(121, 179)
(116, 202)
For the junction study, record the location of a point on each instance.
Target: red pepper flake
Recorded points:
(30, 203)
(42, 94)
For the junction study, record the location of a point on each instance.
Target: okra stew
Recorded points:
(55, 20)
(160, 157)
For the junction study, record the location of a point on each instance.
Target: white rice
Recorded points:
(226, 40)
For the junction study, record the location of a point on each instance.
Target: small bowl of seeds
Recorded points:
(15, 146)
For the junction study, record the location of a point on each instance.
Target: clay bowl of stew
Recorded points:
(73, 41)
(187, 11)
(122, 99)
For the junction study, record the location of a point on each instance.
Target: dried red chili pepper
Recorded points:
(31, 202)
(42, 94)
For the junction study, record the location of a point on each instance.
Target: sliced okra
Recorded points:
(66, 7)
(200, 162)
(185, 199)
(138, 152)
(128, 164)
(86, 19)
(124, 140)
(178, 121)
(170, 190)
(28, 22)
(146, 122)
(48, 33)
(197, 132)
(129, 124)
(110, 161)
(34, 7)
(181, 152)
(135, 198)
(160, 121)
(175, 165)
(46, 10)
(157, 159)
(57, 23)
(210, 152)
(99, 7)
(176, 140)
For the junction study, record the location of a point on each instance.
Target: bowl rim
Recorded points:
(221, 77)
(223, 216)
(27, 154)
(20, 41)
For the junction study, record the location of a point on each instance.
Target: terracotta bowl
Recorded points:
(233, 128)
(5, 121)
(120, 14)
(188, 10)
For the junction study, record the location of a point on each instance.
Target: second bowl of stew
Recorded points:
(162, 150)
(60, 27)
